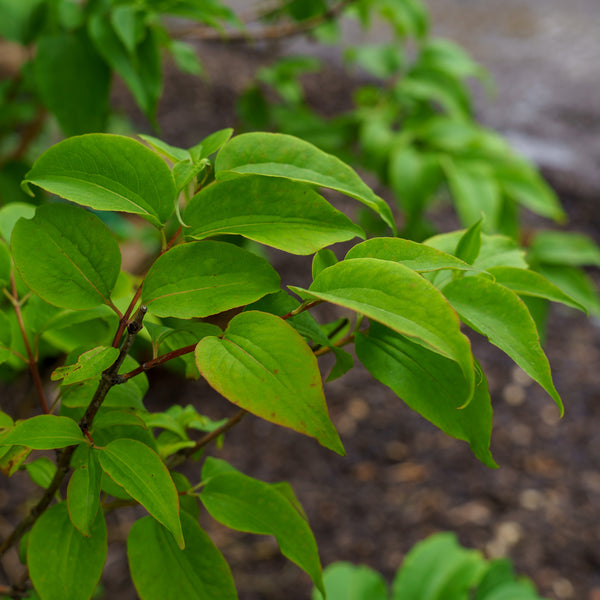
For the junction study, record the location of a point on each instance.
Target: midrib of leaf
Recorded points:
(282, 383)
(189, 291)
(96, 185)
(186, 566)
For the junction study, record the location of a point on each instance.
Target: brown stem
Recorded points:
(325, 349)
(31, 358)
(159, 360)
(307, 305)
(180, 457)
(62, 468)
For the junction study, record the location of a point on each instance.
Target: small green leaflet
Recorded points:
(263, 365)
(67, 256)
(83, 493)
(143, 475)
(41, 471)
(107, 172)
(63, 564)
(246, 504)
(469, 245)
(498, 313)
(44, 432)
(89, 365)
(284, 214)
(419, 257)
(430, 384)
(162, 571)
(345, 581)
(438, 568)
(199, 279)
(279, 155)
(396, 296)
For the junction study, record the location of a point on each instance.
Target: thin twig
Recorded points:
(31, 358)
(159, 360)
(176, 459)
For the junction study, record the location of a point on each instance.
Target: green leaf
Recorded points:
(73, 81)
(246, 504)
(143, 475)
(5, 266)
(173, 153)
(128, 24)
(529, 283)
(83, 494)
(495, 251)
(469, 245)
(185, 57)
(565, 248)
(500, 315)
(574, 282)
(279, 155)
(210, 144)
(41, 471)
(523, 184)
(223, 277)
(344, 581)
(438, 568)
(63, 564)
(141, 70)
(323, 259)
(279, 213)
(67, 256)
(396, 296)
(187, 501)
(107, 172)
(264, 366)
(162, 571)
(475, 192)
(419, 257)
(430, 384)
(10, 214)
(89, 365)
(44, 432)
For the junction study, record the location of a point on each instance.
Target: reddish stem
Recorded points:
(159, 360)
(31, 359)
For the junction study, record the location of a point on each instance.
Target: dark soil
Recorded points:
(402, 479)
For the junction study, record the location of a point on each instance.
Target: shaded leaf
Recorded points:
(500, 315)
(63, 564)
(83, 494)
(396, 296)
(246, 504)
(67, 256)
(143, 475)
(162, 571)
(430, 384)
